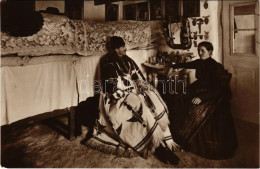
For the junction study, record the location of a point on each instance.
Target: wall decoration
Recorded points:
(74, 9)
(200, 21)
(101, 2)
(172, 8)
(156, 10)
(195, 43)
(206, 19)
(206, 36)
(194, 21)
(130, 12)
(195, 35)
(111, 12)
(206, 5)
(142, 11)
(178, 34)
(191, 8)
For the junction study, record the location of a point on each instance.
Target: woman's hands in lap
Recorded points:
(196, 100)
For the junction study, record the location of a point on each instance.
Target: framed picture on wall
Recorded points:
(142, 11)
(130, 12)
(156, 10)
(111, 12)
(172, 9)
(191, 8)
(74, 9)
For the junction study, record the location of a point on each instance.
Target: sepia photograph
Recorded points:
(129, 84)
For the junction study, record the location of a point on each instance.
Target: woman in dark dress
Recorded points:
(207, 129)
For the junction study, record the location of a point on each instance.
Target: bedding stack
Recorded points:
(49, 69)
(60, 35)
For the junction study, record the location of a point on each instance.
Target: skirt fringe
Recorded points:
(111, 149)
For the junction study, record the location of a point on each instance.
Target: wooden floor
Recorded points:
(41, 145)
(248, 142)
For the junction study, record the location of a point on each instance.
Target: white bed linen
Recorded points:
(34, 89)
(38, 88)
(87, 71)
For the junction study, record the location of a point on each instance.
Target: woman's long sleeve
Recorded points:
(188, 65)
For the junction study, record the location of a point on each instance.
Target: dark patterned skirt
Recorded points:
(206, 129)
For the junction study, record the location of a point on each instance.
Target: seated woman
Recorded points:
(207, 129)
(133, 117)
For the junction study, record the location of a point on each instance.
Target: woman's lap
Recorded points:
(206, 129)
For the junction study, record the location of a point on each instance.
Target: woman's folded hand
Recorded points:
(143, 86)
(196, 100)
(168, 72)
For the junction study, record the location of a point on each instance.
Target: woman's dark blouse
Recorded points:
(210, 78)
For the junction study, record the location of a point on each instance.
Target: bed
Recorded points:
(52, 71)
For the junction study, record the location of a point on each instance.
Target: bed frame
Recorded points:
(68, 112)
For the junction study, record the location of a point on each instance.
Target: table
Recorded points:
(177, 75)
(153, 70)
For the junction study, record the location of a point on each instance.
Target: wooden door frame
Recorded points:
(238, 64)
(229, 25)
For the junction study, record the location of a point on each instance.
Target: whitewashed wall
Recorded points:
(214, 29)
(92, 12)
